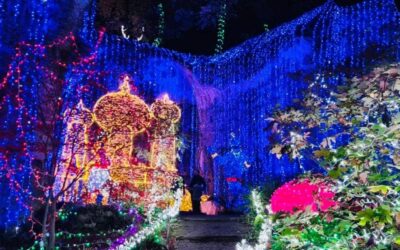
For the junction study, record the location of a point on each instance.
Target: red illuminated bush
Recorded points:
(300, 195)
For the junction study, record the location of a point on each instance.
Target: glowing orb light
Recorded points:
(120, 110)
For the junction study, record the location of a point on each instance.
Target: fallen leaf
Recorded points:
(277, 150)
(397, 85)
(363, 177)
(379, 189)
(392, 71)
(383, 85)
(397, 218)
(368, 101)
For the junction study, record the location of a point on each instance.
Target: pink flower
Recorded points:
(300, 195)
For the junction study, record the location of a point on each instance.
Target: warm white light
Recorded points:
(264, 237)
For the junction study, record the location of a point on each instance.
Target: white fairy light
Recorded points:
(141, 35)
(123, 31)
(264, 237)
(169, 212)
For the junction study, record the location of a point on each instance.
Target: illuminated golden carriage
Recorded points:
(132, 158)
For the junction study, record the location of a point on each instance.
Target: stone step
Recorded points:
(188, 245)
(211, 218)
(195, 232)
(201, 239)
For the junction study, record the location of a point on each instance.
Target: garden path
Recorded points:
(201, 232)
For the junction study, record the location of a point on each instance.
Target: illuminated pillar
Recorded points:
(163, 148)
(74, 160)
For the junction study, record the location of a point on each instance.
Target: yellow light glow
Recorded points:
(123, 116)
(120, 110)
(74, 153)
(163, 150)
(186, 205)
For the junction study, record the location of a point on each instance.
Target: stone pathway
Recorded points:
(200, 232)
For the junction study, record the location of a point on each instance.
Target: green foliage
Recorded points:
(254, 219)
(364, 173)
(155, 242)
(381, 215)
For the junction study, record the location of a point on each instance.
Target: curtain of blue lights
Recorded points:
(225, 98)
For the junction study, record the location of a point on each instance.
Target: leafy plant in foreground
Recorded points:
(353, 135)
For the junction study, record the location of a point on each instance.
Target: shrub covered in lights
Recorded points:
(302, 195)
(364, 172)
(97, 218)
(77, 226)
(94, 224)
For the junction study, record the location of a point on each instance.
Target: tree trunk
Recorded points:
(52, 232)
(44, 224)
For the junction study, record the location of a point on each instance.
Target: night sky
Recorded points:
(182, 31)
(187, 30)
(248, 21)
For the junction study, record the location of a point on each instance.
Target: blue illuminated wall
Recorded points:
(226, 98)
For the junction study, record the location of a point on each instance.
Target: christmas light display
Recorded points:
(221, 29)
(232, 92)
(264, 237)
(186, 204)
(231, 183)
(300, 196)
(155, 224)
(75, 149)
(94, 239)
(161, 23)
(355, 204)
(122, 117)
(163, 149)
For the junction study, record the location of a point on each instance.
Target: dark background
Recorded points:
(191, 25)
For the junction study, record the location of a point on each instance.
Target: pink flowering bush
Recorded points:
(300, 195)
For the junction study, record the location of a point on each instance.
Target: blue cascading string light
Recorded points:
(225, 99)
